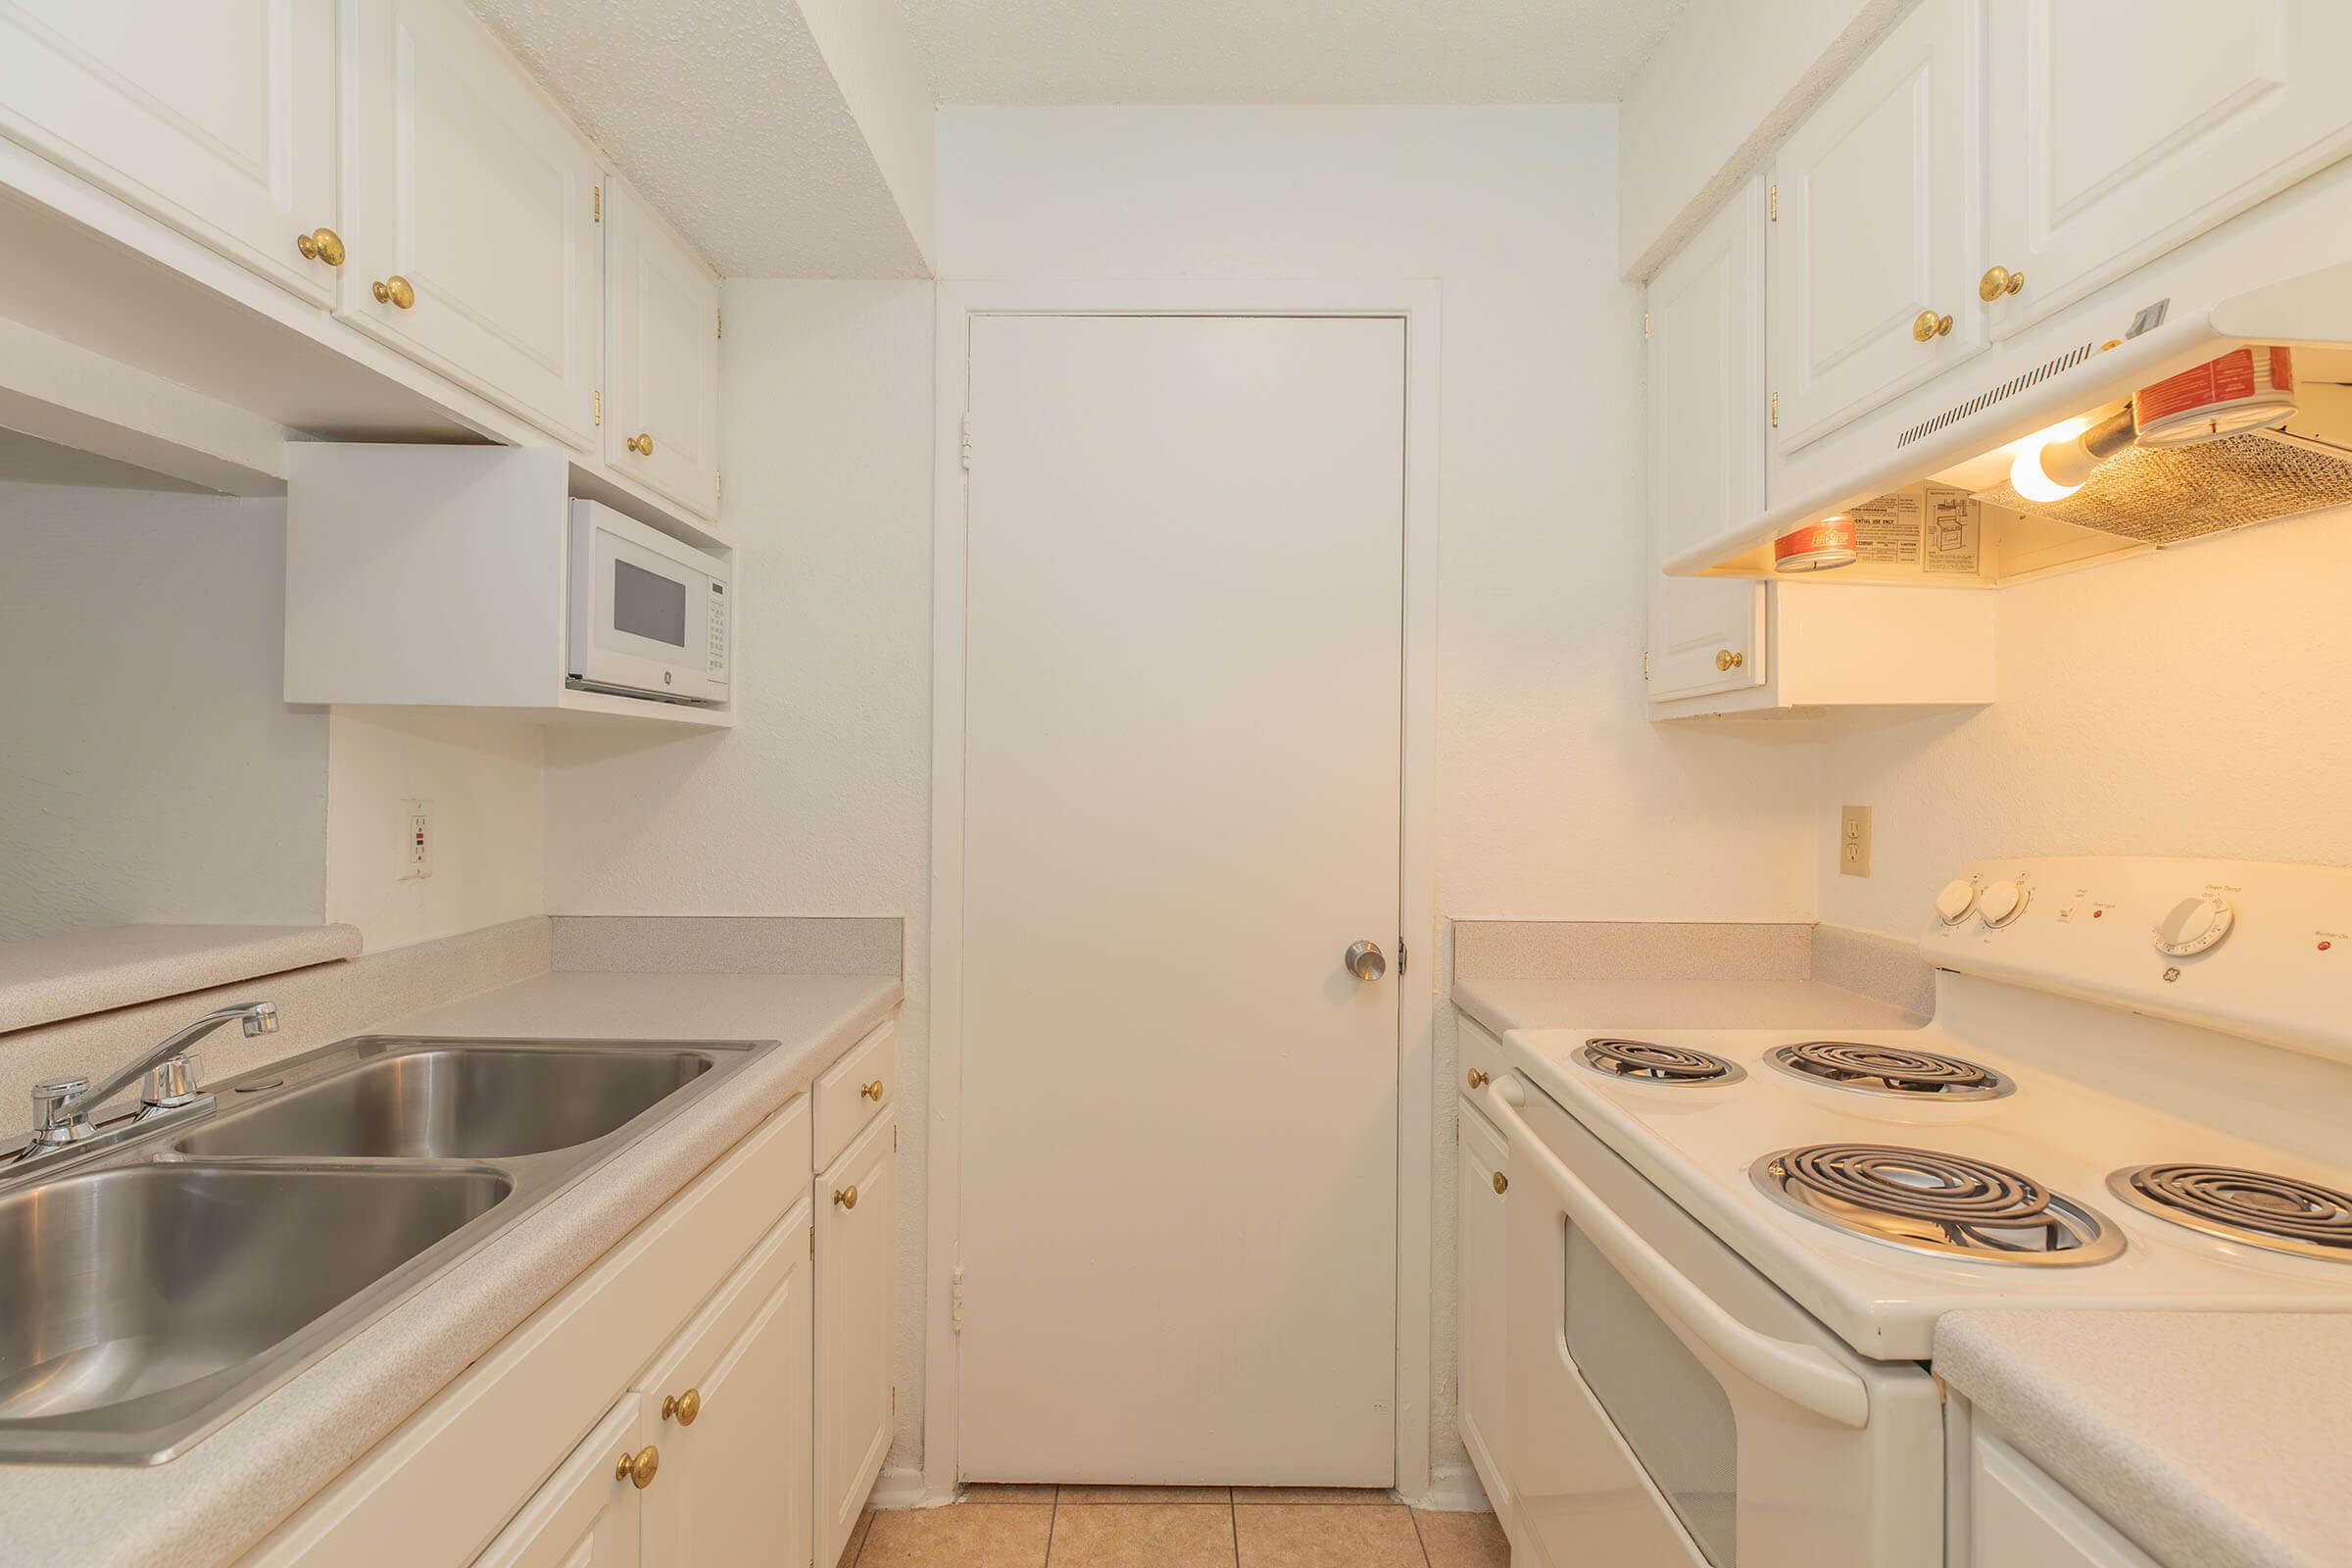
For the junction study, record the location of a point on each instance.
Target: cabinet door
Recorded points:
(2120, 129)
(1880, 203)
(661, 411)
(586, 1516)
(462, 179)
(1480, 1161)
(729, 1403)
(218, 119)
(1705, 429)
(2021, 1518)
(857, 1219)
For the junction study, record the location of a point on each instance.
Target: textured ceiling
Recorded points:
(1284, 51)
(725, 114)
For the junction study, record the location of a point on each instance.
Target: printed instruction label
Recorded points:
(1955, 533)
(1886, 531)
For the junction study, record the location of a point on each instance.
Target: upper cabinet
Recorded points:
(1705, 437)
(471, 214)
(661, 305)
(2122, 128)
(1878, 230)
(216, 119)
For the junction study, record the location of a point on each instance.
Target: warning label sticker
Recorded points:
(1886, 531)
(1954, 534)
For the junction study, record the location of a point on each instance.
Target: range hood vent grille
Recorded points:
(2162, 495)
(2006, 390)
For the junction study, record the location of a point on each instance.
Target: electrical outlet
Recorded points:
(1853, 841)
(417, 839)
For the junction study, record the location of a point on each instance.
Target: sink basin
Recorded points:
(456, 1102)
(164, 1276)
(126, 1294)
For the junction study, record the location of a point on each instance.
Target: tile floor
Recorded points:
(1175, 1527)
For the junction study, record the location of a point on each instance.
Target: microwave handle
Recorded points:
(1799, 1373)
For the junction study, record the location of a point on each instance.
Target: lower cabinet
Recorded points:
(857, 1221)
(2017, 1516)
(1481, 1169)
(589, 1514)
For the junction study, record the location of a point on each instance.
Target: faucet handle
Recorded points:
(51, 1121)
(170, 1083)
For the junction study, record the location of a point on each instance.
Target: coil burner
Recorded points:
(1647, 1061)
(2277, 1214)
(1930, 1201)
(1895, 1070)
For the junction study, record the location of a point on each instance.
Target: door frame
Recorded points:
(1415, 304)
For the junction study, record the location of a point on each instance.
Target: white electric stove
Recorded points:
(2135, 1092)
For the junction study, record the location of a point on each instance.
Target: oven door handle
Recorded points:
(1799, 1373)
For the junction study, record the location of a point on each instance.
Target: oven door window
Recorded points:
(1671, 1413)
(648, 604)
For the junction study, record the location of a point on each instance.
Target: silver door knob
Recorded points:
(1365, 961)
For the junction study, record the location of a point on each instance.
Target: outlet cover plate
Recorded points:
(1853, 841)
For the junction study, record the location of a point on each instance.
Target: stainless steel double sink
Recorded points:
(153, 1289)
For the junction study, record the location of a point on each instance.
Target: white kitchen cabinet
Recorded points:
(1864, 645)
(590, 1513)
(729, 1405)
(857, 1226)
(2018, 1517)
(1877, 241)
(1481, 1165)
(471, 213)
(2120, 129)
(1705, 437)
(662, 356)
(216, 119)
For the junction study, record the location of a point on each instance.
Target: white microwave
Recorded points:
(650, 615)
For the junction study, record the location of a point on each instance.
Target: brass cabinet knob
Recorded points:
(639, 1469)
(1927, 325)
(396, 290)
(1997, 282)
(1725, 658)
(685, 1406)
(846, 1197)
(1502, 1182)
(642, 443)
(320, 245)
(1479, 1079)
(873, 1091)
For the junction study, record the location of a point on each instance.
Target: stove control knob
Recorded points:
(2001, 902)
(1959, 895)
(2192, 925)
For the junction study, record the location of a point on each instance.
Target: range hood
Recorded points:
(1953, 468)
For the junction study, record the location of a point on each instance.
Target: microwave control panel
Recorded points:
(715, 648)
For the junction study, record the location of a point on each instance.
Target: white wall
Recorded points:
(482, 777)
(2189, 701)
(148, 769)
(818, 801)
(1726, 82)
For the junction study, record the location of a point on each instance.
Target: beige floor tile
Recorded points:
(1328, 1536)
(1463, 1539)
(1095, 1495)
(1008, 1536)
(849, 1553)
(1144, 1535)
(1008, 1492)
(1328, 1496)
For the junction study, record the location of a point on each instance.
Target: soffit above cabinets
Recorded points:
(786, 138)
(1283, 51)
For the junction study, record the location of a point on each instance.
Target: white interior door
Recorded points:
(1181, 807)
(2120, 129)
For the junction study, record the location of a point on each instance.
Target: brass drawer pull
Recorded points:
(846, 1197)
(1927, 326)
(873, 1091)
(641, 443)
(396, 291)
(639, 1469)
(1501, 1182)
(320, 245)
(1479, 1079)
(685, 1406)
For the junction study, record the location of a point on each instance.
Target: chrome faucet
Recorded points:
(62, 1106)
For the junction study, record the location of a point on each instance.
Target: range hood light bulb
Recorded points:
(2054, 464)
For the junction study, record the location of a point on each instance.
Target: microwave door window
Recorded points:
(648, 604)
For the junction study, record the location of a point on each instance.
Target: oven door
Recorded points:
(1669, 1406)
(640, 614)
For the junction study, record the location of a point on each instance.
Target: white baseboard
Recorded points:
(901, 1486)
(1454, 1489)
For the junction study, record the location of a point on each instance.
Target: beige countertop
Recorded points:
(1501, 1003)
(221, 1496)
(2214, 1439)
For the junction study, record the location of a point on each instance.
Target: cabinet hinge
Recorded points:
(599, 203)
(1774, 203)
(718, 486)
(1776, 411)
(1645, 324)
(812, 1241)
(955, 1301)
(967, 443)
(1404, 958)
(600, 405)
(722, 323)
(1645, 664)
